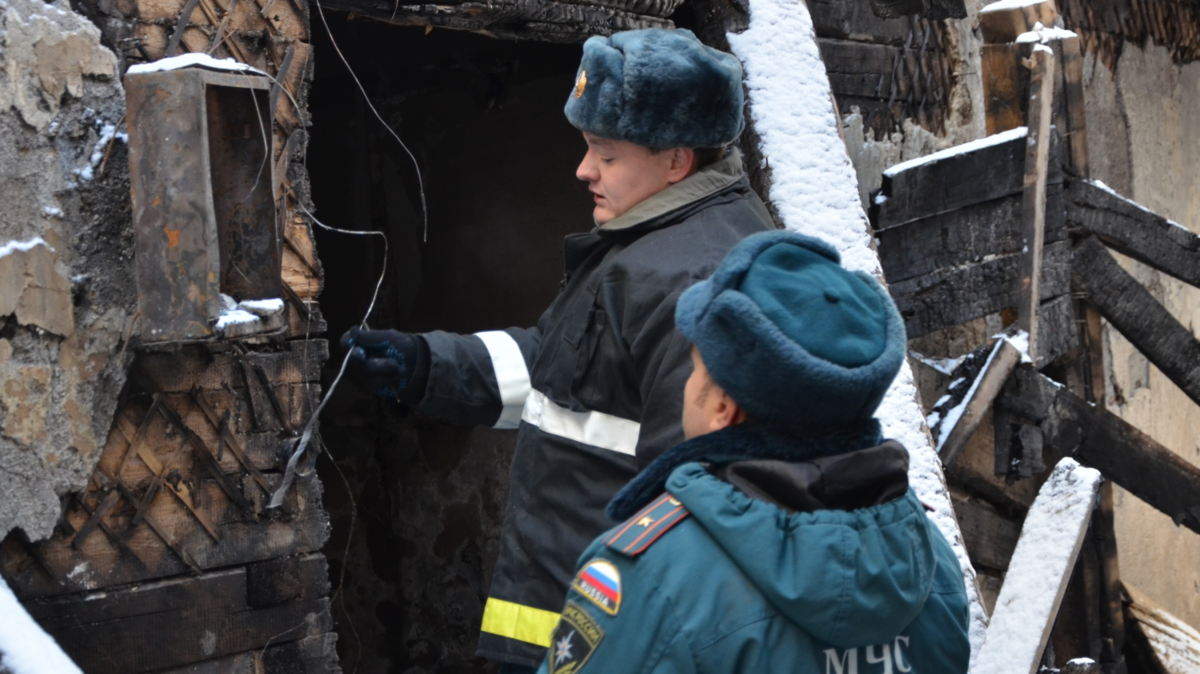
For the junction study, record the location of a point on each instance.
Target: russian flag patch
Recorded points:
(600, 583)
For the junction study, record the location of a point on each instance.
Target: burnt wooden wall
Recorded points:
(1105, 26)
(168, 561)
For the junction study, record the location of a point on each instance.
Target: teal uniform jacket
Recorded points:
(708, 579)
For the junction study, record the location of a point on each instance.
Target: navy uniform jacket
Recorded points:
(594, 390)
(727, 572)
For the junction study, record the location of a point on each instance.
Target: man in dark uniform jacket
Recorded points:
(595, 388)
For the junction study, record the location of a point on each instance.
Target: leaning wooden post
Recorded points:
(1041, 566)
(1033, 210)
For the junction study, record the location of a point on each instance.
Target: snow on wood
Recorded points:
(1175, 643)
(815, 191)
(1044, 35)
(269, 307)
(1039, 570)
(957, 150)
(1005, 5)
(190, 60)
(24, 647)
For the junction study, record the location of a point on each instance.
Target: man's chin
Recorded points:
(601, 215)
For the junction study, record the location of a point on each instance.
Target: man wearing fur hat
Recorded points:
(782, 535)
(595, 388)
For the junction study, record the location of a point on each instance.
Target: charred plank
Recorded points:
(1133, 311)
(956, 295)
(1134, 230)
(1098, 438)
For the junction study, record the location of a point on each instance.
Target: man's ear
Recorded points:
(683, 164)
(726, 411)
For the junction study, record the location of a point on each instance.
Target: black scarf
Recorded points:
(736, 443)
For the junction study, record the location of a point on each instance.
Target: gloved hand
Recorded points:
(388, 363)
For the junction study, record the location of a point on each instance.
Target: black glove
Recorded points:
(388, 363)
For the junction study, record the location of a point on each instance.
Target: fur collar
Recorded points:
(743, 441)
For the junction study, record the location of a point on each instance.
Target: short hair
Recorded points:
(704, 155)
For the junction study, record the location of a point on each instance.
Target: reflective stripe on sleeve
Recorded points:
(591, 428)
(516, 621)
(512, 375)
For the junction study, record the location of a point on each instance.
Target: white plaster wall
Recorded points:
(1142, 139)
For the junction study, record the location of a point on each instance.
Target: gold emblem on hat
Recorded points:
(581, 83)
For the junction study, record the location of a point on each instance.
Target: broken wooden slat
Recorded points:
(1033, 205)
(135, 443)
(954, 296)
(1039, 571)
(181, 23)
(961, 422)
(1112, 613)
(229, 439)
(200, 451)
(1102, 440)
(1134, 230)
(964, 236)
(182, 492)
(102, 510)
(957, 177)
(1133, 311)
(171, 542)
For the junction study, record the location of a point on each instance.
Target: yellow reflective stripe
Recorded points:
(523, 623)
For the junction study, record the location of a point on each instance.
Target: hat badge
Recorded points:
(581, 83)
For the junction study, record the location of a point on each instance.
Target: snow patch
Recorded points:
(24, 647)
(1020, 342)
(228, 318)
(190, 60)
(814, 189)
(943, 365)
(52, 212)
(995, 139)
(262, 307)
(1043, 35)
(23, 246)
(1004, 5)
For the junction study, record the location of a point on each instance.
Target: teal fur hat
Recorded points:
(658, 88)
(798, 341)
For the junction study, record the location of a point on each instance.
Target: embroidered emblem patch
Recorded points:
(600, 582)
(580, 83)
(574, 640)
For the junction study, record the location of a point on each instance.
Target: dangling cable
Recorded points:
(420, 181)
(290, 472)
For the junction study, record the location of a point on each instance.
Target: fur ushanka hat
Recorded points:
(798, 341)
(658, 88)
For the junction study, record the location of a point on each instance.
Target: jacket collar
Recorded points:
(710, 180)
(743, 441)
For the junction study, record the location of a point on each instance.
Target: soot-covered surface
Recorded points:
(484, 119)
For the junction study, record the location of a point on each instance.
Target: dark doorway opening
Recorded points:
(484, 119)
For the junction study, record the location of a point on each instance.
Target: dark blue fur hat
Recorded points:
(798, 341)
(658, 88)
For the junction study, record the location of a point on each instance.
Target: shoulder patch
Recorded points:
(638, 532)
(575, 639)
(600, 582)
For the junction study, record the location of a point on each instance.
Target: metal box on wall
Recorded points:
(204, 213)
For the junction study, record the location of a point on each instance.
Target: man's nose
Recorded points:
(587, 169)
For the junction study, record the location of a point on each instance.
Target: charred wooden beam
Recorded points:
(929, 9)
(956, 295)
(1134, 230)
(207, 616)
(546, 20)
(1133, 311)
(965, 236)
(956, 178)
(1100, 439)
